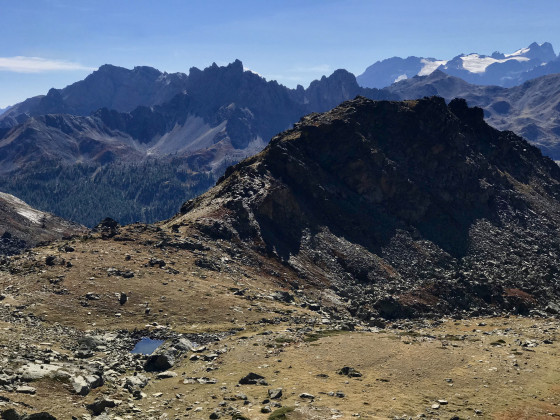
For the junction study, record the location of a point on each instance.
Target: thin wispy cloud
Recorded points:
(252, 71)
(20, 64)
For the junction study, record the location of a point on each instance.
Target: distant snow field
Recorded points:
(478, 64)
(430, 66)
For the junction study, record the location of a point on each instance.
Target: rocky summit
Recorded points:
(398, 209)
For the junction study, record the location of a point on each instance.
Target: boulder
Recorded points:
(98, 406)
(282, 296)
(94, 381)
(39, 416)
(80, 385)
(253, 379)
(10, 414)
(166, 375)
(159, 362)
(350, 372)
(136, 381)
(274, 394)
(90, 342)
(26, 390)
(123, 298)
(185, 345)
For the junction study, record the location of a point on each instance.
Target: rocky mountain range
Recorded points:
(110, 86)
(125, 90)
(24, 227)
(398, 208)
(214, 117)
(531, 110)
(83, 152)
(498, 69)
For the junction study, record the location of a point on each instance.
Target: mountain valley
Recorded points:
(438, 300)
(294, 210)
(82, 152)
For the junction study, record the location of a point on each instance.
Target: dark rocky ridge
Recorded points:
(401, 208)
(531, 110)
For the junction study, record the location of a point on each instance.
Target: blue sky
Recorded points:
(61, 41)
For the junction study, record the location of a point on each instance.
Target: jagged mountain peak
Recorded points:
(107, 68)
(109, 86)
(340, 78)
(437, 74)
(234, 68)
(340, 74)
(147, 70)
(544, 52)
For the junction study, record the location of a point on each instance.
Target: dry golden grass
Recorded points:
(402, 374)
(404, 371)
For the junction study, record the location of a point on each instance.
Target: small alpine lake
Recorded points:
(146, 345)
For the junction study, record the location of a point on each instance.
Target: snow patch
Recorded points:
(252, 71)
(519, 52)
(23, 209)
(401, 77)
(430, 66)
(32, 215)
(478, 64)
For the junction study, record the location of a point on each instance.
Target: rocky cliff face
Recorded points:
(23, 227)
(400, 208)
